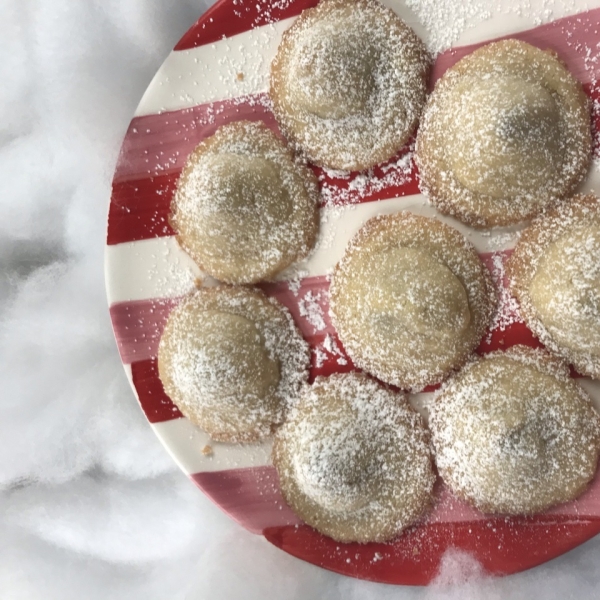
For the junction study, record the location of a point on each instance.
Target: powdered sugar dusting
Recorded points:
(333, 348)
(263, 8)
(244, 209)
(410, 299)
(514, 433)
(508, 312)
(555, 274)
(445, 21)
(347, 433)
(233, 361)
(341, 187)
(348, 83)
(327, 349)
(310, 307)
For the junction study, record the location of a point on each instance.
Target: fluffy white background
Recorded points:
(91, 506)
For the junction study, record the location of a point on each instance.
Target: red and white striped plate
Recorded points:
(217, 73)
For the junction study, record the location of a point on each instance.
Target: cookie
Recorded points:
(244, 208)
(232, 361)
(506, 132)
(354, 460)
(514, 434)
(554, 272)
(348, 83)
(410, 299)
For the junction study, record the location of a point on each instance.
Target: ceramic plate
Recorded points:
(218, 73)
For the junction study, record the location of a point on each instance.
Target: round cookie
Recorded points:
(232, 361)
(354, 459)
(410, 299)
(514, 434)
(505, 133)
(348, 83)
(244, 209)
(554, 272)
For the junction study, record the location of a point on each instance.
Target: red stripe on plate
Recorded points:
(227, 18)
(138, 326)
(501, 546)
(249, 496)
(156, 146)
(573, 38)
(160, 143)
(253, 498)
(157, 406)
(140, 210)
(511, 335)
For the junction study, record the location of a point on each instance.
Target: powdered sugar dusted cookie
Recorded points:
(514, 434)
(244, 208)
(232, 360)
(505, 133)
(410, 299)
(348, 83)
(354, 460)
(554, 272)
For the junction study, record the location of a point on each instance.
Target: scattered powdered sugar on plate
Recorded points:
(329, 348)
(310, 308)
(343, 187)
(333, 348)
(294, 277)
(262, 8)
(446, 20)
(508, 312)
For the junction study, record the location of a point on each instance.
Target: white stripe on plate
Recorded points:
(159, 268)
(154, 268)
(338, 226)
(185, 442)
(209, 73)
